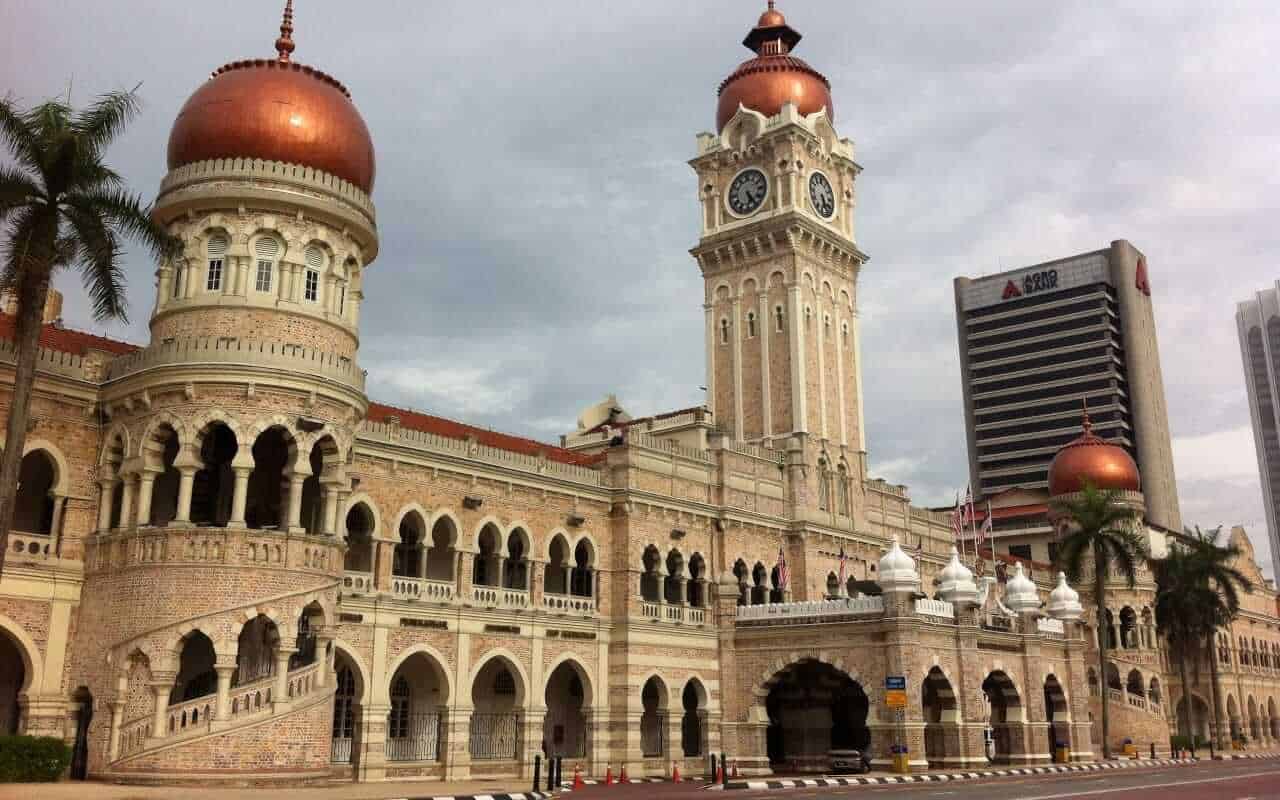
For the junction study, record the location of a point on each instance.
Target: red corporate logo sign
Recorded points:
(1011, 291)
(1140, 280)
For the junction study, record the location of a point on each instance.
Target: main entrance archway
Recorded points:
(1006, 715)
(940, 717)
(564, 731)
(814, 709)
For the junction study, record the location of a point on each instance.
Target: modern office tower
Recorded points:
(1038, 342)
(1258, 321)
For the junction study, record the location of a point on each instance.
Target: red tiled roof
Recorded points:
(985, 552)
(66, 340)
(1009, 512)
(665, 415)
(427, 423)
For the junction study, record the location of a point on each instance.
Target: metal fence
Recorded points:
(653, 734)
(340, 752)
(495, 736)
(414, 737)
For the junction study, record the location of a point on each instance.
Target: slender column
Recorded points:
(764, 328)
(159, 721)
(146, 483)
(280, 694)
(840, 407)
(162, 287)
(296, 287)
(295, 504)
(117, 721)
(238, 497)
(242, 276)
(126, 502)
(106, 488)
(735, 332)
(186, 481)
(799, 412)
(823, 325)
(331, 511)
(710, 312)
(190, 279)
(282, 290)
(55, 527)
(322, 658)
(222, 710)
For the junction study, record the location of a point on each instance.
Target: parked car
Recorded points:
(854, 761)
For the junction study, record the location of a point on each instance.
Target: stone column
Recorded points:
(531, 739)
(239, 496)
(457, 752)
(799, 395)
(55, 526)
(106, 489)
(222, 709)
(329, 527)
(280, 692)
(186, 481)
(146, 483)
(160, 689)
(372, 739)
(735, 331)
(322, 657)
(126, 503)
(294, 520)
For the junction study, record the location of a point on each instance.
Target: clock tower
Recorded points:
(780, 267)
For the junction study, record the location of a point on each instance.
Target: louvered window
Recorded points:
(217, 249)
(314, 257)
(266, 250)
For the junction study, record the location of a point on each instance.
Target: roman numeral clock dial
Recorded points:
(747, 192)
(821, 196)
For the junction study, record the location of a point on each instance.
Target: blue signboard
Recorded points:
(895, 682)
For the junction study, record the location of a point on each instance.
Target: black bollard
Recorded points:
(559, 771)
(724, 767)
(551, 774)
(1153, 750)
(1212, 755)
(712, 779)
(537, 772)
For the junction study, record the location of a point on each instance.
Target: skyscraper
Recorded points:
(1258, 321)
(1036, 342)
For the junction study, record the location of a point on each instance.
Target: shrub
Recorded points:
(32, 759)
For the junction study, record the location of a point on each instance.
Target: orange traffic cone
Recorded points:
(622, 777)
(608, 775)
(675, 772)
(577, 778)
(719, 772)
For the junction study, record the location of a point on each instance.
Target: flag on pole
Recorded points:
(968, 505)
(784, 575)
(844, 562)
(985, 533)
(957, 524)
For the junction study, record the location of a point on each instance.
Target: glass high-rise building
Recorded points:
(1258, 321)
(1038, 342)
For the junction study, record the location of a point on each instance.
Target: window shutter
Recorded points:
(267, 248)
(217, 246)
(314, 257)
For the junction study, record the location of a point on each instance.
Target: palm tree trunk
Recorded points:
(31, 298)
(1213, 688)
(1100, 596)
(1186, 694)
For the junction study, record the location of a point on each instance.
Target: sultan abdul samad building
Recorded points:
(229, 563)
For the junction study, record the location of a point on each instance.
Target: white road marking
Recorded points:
(1150, 786)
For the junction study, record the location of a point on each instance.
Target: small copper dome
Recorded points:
(1090, 459)
(773, 78)
(275, 110)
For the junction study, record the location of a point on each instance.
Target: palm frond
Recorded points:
(126, 213)
(98, 251)
(100, 123)
(18, 137)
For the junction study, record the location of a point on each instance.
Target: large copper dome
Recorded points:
(275, 110)
(771, 79)
(1090, 459)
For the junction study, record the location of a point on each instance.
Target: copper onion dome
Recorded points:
(275, 110)
(1090, 459)
(773, 77)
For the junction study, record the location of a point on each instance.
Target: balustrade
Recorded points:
(195, 714)
(495, 597)
(815, 608)
(935, 608)
(361, 582)
(1050, 625)
(28, 546)
(568, 604)
(422, 589)
(134, 735)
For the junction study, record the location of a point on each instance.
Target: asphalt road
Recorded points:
(1228, 780)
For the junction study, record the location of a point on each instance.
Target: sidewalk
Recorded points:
(344, 790)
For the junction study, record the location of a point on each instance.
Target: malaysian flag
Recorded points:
(968, 505)
(784, 574)
(985, 532)
(957, 522)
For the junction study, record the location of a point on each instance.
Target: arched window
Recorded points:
(441, 554)
(581, 579)
(842, 490)
(697, 581)
(359, 525)
(751, 324)
(217, 250)
(674, 584)
(844, 333)
(516, 568)
(33, 505)
(266, 250)
(824, 485)
(740, 572)
(314, 257)
(779, 318)
(724, 330)
(407, 556)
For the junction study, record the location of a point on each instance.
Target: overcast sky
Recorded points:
(536, 209)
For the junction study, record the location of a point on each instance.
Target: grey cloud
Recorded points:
(536, 209)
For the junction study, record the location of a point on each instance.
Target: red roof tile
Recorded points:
(66, 340)
(427, 423)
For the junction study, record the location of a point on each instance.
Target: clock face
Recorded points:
(747, 192)
(821, 195)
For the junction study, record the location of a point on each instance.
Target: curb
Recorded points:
(940, 777)
(511, 796)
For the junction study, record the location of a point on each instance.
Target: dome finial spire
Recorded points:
(1085, 422)
(284, 45)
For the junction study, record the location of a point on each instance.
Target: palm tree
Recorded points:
(61, 206)
(1215, 586)
(1179, 617)
(1102, 531)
